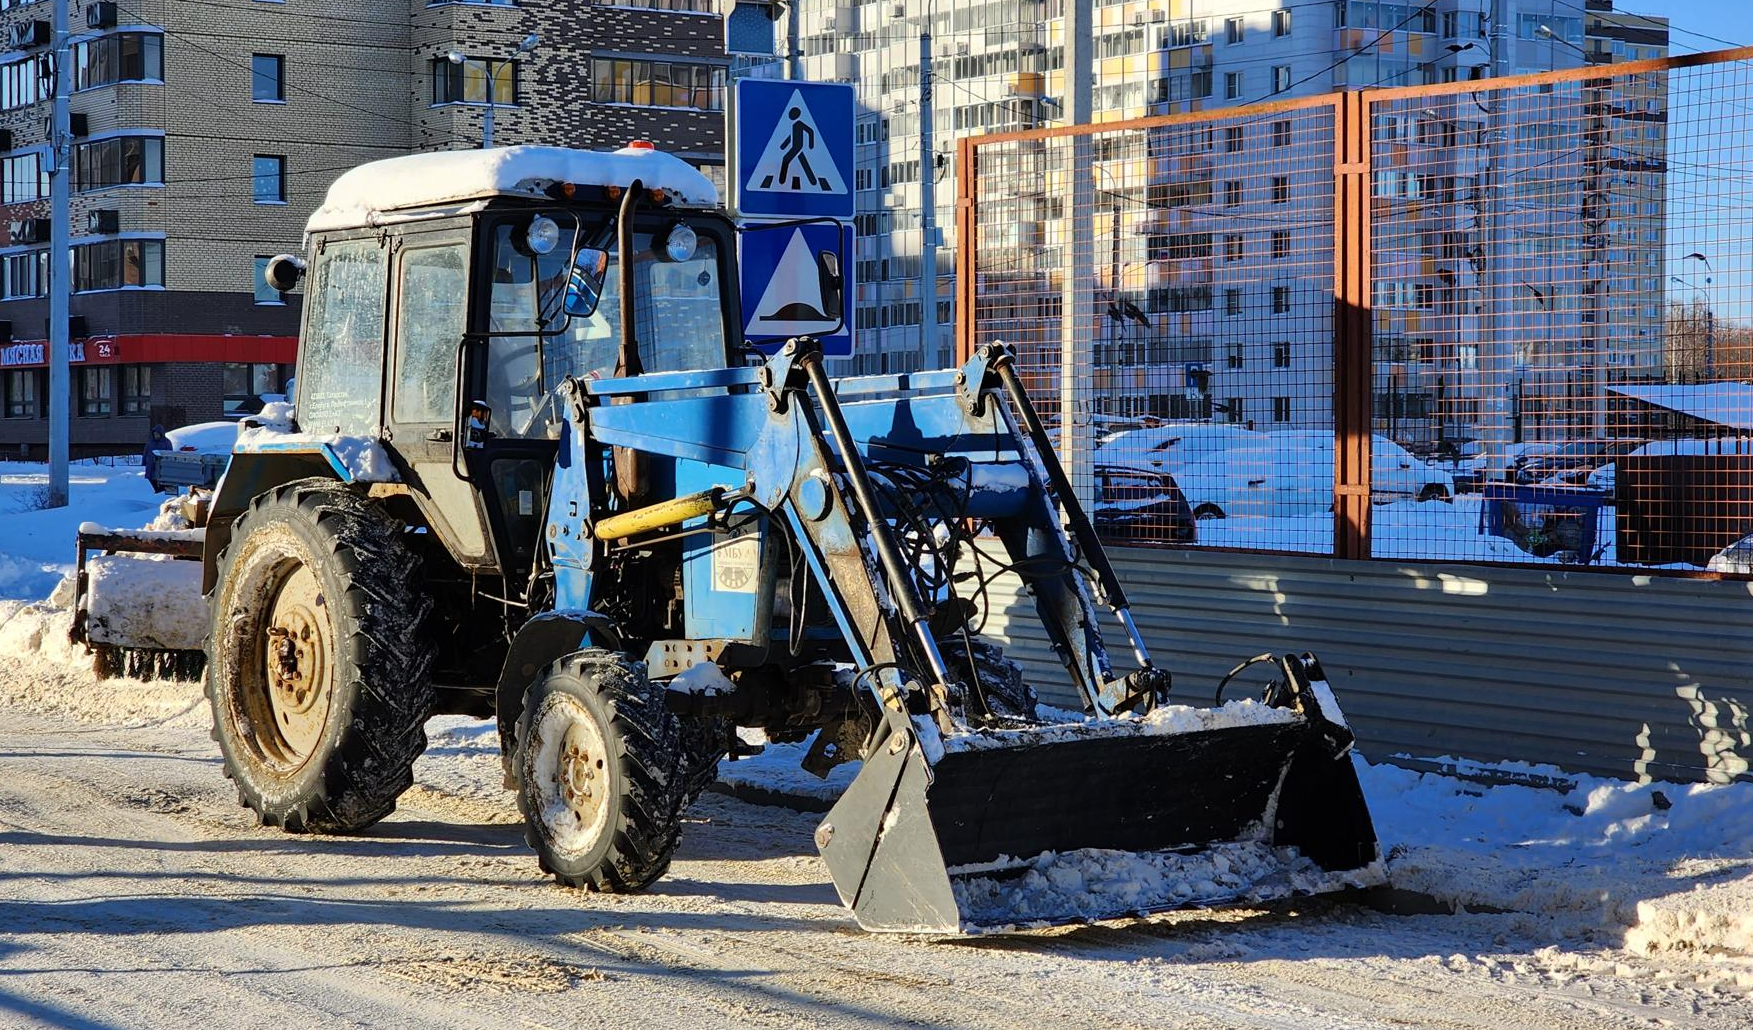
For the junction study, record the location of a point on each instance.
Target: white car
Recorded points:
(1290, 473)
(1171, 447)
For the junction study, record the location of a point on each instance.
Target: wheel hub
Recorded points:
(297, 660)
(567, 769)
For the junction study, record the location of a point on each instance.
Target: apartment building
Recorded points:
(1213, 253)
(205, 131)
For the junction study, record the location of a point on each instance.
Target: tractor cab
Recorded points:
(449, 295)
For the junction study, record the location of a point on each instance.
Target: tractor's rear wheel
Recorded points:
(605, 771)
(318, 659)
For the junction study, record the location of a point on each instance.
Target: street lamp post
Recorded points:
(1709, 312)
(458, 58)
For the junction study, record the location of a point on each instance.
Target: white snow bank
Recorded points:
(363, 195)
(1166, 720)
(779, 769)
(1095, 883)
(1606, 853)
(704, 678)
(140, 602)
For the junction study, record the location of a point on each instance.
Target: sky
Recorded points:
(1729, 20)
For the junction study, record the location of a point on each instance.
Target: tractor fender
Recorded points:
(250, 474)
(539, 642)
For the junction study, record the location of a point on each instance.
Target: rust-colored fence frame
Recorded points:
(1353, 254)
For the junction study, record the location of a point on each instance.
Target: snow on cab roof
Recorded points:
(363, 195)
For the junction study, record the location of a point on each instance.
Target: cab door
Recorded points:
(430, 315)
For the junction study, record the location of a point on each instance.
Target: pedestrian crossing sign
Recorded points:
(793, 144)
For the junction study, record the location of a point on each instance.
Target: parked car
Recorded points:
(1570, 463)
(197, 455)
(1171, 447)
(1141, 506)
(1290, 473)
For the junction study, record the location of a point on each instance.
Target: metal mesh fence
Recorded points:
(1531, 316)
(1187, 359)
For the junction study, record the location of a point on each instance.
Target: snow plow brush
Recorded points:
(137, 604)
(1104, 819)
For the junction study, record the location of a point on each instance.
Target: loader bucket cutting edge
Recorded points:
(1059, 829)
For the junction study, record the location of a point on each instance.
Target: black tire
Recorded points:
(605, 771)
(996, 686)
(1434, 492)
(1208, 511)
(361, 650)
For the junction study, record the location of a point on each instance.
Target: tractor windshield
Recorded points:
(678, 305)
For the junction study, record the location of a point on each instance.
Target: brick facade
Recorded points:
(357, 86)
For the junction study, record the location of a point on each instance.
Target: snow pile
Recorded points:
(140, 602)
(1095, 883)
(364, 195)
(778, 769)
(1671, 864)
(705, 678)
(1163, 721)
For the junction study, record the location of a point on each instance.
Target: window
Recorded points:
(659, 84)
(705, 6)
(22, 390)
(1281, 409)
(1280, 244)
(1232, 85)
(1233, 355)
(1232, 301)
(1232, 247)
(21, 82)
(23, 178)
(1232, 193)
(343, 344)
(268, 78)
(1280, 300)
(475, 81)
(1280, 189)
(96, 385)
(268, 178)
(1280, 78)
(1281, 134)
(136, 389)
(1233, 30)
(27, 274)
(266, 294)
(244, 382)
(118, 161)
(117, 265)
(119, 57)
(1232, 139)
(1233, 409)
(1281, 354)
(1281, 23)
(429, 324)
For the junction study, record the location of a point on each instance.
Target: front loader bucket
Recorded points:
(1102, 820)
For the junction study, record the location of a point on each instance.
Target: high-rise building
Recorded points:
(205, 132)
(1191, 237)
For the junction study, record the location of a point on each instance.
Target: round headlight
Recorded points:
(679, 244)
(544, 235)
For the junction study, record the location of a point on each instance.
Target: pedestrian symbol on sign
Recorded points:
(796, 160)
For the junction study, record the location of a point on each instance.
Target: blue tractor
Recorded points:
(536, 475)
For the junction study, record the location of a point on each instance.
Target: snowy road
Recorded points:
(135, 893)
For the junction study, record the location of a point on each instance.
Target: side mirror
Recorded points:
(584, 285)
(284, 272)
(832, 280)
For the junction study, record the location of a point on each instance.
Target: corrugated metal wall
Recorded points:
(1617, 675)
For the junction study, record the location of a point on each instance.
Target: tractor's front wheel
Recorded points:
(605, 771)
(318, 656)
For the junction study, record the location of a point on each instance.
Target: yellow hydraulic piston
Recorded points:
(660, 515)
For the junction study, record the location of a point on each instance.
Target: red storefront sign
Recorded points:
(155, 348)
